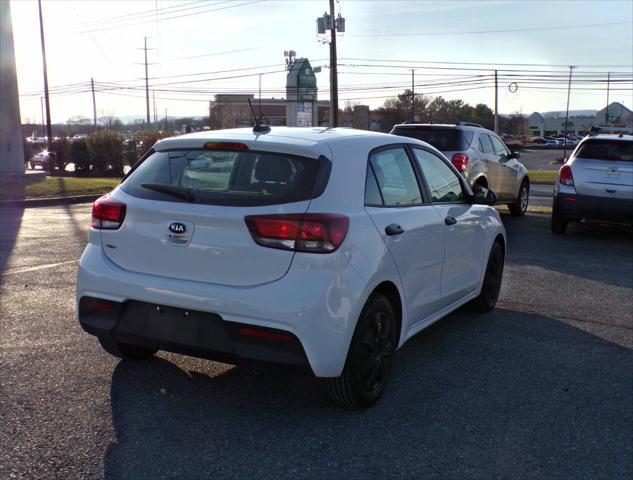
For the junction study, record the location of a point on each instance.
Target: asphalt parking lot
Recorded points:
(539, 388)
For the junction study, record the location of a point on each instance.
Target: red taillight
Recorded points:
(107, 214)
(225, 146)
(565, 177)
(97, 304)
(265, 334)
(459, 161)
(309, 232)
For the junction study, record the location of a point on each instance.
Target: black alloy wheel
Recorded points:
(370, 356)
(491, 286)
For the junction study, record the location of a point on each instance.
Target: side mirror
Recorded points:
(515, 154)
(484, 196)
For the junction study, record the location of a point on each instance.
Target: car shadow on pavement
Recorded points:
(11, 220)
(503, 395)
(602, 253)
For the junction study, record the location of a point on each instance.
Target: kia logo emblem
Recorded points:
(177, 227)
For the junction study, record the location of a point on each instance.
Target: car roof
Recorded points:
(610, 136)
(413, 126)
(288, 135)
(306, 141)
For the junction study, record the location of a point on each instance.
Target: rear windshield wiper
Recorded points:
(173, 190)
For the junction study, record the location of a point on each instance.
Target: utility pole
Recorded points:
(43, 119)
(567, 113)
(49, 129)
(333, 72)
(94, 104)
(413, 95)
(146, 83)
(606, 112)
(165, 120)
(260, 97)
(496, 105)
(154, 104)
(334, 25)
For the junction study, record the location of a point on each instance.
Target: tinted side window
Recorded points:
(396, 180)
(500, 148)
(485, 143)
(443, 182)
(615, 150)
(442, 138)
(372, 192)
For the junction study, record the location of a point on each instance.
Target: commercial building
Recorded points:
(580, 121)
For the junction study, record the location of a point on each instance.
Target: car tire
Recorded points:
(558, 224)
(369, 358)
(491, 286)
(520, 205)
(126, 351)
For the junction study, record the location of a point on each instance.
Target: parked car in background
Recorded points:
(545, 141)
(480, 156)
(596, 183)
(41, 160)
(320, 248)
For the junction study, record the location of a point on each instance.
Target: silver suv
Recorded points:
(596, 183)
(481, 156)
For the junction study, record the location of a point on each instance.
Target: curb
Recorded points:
(51, 201)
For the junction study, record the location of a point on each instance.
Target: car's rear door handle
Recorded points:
(450, 220)
(394, 229)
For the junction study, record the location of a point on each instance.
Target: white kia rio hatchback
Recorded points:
(323, 248)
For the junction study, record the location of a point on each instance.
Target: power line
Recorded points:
(94, 40)
(488, 64)
(477, 32)
(214, 54)
(151, 13)
(119, 25)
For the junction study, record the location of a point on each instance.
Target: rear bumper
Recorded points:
(318, 306)
(199, 334)
(578, 207)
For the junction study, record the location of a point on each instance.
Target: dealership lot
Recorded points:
(539, 388)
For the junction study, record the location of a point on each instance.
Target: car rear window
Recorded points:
(614, 150)
(223, 177)
(444, 139)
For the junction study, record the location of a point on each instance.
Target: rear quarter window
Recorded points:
(444, 139)
(220, 177)
(613, 150)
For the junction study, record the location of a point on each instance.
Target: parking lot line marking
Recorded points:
(38, 267)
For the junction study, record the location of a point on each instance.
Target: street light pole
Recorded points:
(94, 105)
(412, 95)
(567, 113)
(146, 84)
(496, 104)
(606, 112)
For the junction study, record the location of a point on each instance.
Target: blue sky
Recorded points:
(226, 35)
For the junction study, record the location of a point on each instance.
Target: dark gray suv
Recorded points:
(481, 156)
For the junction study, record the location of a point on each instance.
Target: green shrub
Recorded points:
(61, 150)
(28, 151)
(145, 141)
(80, 156)
(106, 153)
